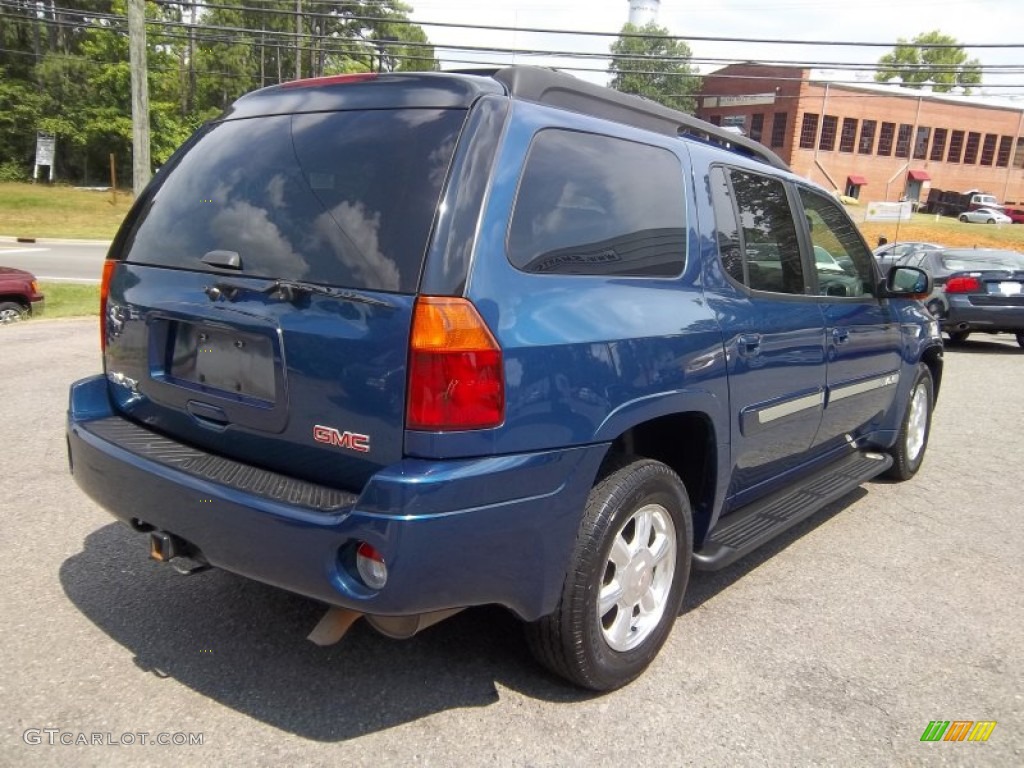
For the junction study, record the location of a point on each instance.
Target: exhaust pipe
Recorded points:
(336, 623)
(962, 326)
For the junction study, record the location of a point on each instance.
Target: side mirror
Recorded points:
(908, 283)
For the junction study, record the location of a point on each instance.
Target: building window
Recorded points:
(779, 129)
(867, 137)
(903, 140)
(1003, 158)
(829, 123)
(988, 150)
(1018, 154)
(956, 147)
(715, 119)
(939, 143)
(921, 143)
(756, 126)
(971, 150)
(885, 139)
(849, 135)
(808, 131)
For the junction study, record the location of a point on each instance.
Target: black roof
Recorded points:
(546, 86)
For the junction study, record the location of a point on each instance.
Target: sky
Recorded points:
(882, 21)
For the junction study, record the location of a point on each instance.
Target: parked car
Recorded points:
(1016, 214)
(985, 216)
(888, 255)
(19, 295)
(434, 340)
(976, 289)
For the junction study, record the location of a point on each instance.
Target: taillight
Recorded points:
(309, 82)
(108, 271)
(965, 284)
(456, 380)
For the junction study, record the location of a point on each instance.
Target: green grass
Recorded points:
(39, 210)
(70, 299)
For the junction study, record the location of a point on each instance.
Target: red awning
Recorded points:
(856, 180)
(919, 175)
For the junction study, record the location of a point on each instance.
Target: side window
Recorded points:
(771, 250)
(841, 260)
(756, 236)
(597, 205)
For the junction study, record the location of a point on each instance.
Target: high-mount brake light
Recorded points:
(456, 376)
(312, 82)
(963, 284)
(108, 271)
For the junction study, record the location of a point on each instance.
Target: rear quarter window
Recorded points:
(339, 198)
(598, 205)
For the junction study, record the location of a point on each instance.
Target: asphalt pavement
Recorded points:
(836, 644)
(77, 261)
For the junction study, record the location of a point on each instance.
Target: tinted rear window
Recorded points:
(339, 198)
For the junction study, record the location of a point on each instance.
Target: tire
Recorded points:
(963, 219)
(604, 643)
(11, 312)
(958, 337)
(991, 221)
(912, 442)
(1020, 339)
(935, 307)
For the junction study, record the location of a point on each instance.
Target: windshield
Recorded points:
(340, 198)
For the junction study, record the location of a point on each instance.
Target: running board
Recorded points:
(748, 528)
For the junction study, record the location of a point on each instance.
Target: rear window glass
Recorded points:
(341, 198)
(979, 262)
(596, 205)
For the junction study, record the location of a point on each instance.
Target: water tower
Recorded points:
(643, 12)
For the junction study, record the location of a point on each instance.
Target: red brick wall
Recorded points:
(886, 175)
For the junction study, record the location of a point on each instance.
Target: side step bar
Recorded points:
(743, 531)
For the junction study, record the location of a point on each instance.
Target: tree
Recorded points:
(916, 63)
(656, 67)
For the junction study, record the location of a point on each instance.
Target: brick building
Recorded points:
(872, 141)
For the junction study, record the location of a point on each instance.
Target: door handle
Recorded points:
(749, 344)
(840, 335)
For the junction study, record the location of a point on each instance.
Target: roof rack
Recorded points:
(557, 89)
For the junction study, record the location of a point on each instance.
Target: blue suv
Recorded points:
(415, 342)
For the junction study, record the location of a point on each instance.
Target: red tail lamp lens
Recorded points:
(456, 378)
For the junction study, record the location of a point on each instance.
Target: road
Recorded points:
(835, 645)
(79, 261)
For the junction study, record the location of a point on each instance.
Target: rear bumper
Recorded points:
(964, 316)
(453, 533)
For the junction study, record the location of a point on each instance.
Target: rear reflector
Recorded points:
(965, 284)
(370, 566)
(456, 379)
(108, 271)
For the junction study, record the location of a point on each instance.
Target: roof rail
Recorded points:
(557, 89)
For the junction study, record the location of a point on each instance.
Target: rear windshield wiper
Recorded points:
(290, 291)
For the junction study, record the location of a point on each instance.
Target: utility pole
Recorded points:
(140, 94)
(298, 39)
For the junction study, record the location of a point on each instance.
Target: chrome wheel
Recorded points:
(9, 314)
(917, 422)
(637, 578)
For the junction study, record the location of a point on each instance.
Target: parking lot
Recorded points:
(836, 645)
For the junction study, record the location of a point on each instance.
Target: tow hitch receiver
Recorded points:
(167, 548)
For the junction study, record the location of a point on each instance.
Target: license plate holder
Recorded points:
(224, 360)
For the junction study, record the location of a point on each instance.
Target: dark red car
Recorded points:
(19, 295)
(1015, 214)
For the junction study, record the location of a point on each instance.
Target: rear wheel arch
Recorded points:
(687, 444)
(932, 357)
